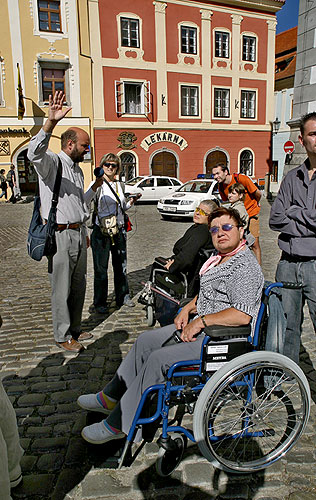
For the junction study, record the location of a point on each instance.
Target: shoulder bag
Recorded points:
(41, 240)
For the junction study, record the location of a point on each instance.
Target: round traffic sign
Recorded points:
(289, 147)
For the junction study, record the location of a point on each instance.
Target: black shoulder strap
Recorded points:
(115, 194)
(57, 184)
(236, 177)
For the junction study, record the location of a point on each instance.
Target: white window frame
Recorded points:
(255, 38)
(190, 85)
(222, 31)
(48, 64)
(129, 37)
(183, 55)
(255, 92)
(187, 42)
(253, 160)
(120, 106)
(221, 88)
(122, 49)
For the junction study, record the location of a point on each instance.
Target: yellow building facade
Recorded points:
(49, 40)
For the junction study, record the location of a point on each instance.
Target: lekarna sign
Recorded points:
(289, 147)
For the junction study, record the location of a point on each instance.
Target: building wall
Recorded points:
(21, 41)
(305, 75)
(159, 61)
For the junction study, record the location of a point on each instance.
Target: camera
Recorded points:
(98, 171)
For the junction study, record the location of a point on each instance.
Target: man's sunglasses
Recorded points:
(200, 211)
(112, 165)
(225, 227)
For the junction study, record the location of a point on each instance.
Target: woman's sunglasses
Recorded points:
(112, 165)
(200, 211)
(225, 227)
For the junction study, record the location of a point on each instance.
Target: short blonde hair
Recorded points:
(113, 158)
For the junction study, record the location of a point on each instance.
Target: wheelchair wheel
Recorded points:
(168, 460)
(150, 315)
(251, 412)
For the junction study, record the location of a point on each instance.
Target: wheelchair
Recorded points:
(164, 293)
(249, 406)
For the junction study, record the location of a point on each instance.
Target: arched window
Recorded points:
(128, 166)
(246, 163)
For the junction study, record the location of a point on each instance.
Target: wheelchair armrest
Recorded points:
(184, 302)
(221, 331)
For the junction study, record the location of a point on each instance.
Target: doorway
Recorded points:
(164, 163)
(26, 173)
(213, 158)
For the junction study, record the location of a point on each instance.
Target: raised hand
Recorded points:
(56, 111)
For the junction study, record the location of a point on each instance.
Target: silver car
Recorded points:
(184, 201)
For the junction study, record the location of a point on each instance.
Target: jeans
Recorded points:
(293, 300)
(101, 248)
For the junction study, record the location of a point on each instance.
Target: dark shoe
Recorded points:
(70, 345)
(85, 336)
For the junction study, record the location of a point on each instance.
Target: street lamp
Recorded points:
(276, 126)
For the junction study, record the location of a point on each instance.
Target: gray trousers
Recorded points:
(68, 282)
(145, 364)
(10, 449)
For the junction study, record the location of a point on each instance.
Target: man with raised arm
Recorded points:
(68, 279)
(293, 214)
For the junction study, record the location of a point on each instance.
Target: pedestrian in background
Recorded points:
(109, 237)
(68, 279)
(252, 199)
(236, 197)
(293, 214)
(11, 178)
(3, 184)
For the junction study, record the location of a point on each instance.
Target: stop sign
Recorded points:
(289, 147)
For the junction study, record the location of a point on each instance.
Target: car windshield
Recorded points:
(195, 187)
(134, 181)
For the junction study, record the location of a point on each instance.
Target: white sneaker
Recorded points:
(90, 402)
(99, 434)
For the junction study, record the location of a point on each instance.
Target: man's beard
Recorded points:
(76, 156)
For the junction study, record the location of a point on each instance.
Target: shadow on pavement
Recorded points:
(56, 458)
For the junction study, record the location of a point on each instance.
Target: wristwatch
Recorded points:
(203, 320)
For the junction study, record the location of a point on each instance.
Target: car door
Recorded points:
(147, 189)
(164, 187)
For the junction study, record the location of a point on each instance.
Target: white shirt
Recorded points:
(72, 201)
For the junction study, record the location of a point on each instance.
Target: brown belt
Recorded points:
(62, 227)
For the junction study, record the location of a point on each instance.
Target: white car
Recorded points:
(152, 187)
(184, 201)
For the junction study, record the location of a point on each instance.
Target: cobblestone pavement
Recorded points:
(43, 383)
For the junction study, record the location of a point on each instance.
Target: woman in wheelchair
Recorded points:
(230, 295)
(186, 258)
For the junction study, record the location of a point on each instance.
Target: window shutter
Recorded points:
(147, 100)
(119, 97)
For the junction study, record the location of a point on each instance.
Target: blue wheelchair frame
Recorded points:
(180, 369)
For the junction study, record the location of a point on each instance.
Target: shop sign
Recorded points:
(157, 137)
(13, 131)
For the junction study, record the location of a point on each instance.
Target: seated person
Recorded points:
(185, 251)
(230, 295)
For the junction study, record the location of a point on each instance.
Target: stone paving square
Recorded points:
(43, 382)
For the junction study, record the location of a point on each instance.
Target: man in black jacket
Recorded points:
(293, 213)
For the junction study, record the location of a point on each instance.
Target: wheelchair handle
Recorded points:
(288, 284)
